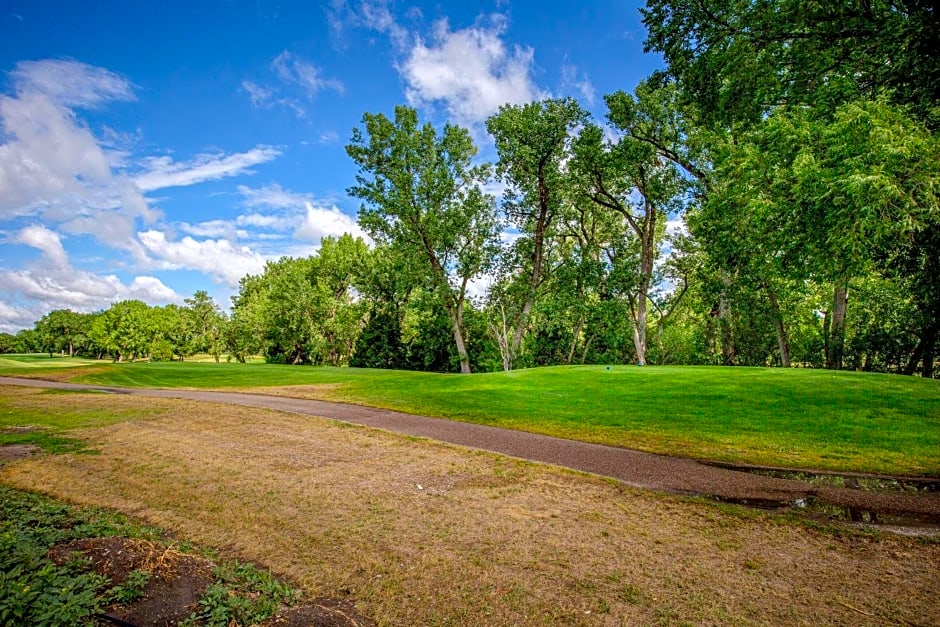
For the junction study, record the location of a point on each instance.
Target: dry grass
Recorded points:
(423, 533)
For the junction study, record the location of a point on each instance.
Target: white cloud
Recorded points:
(211, 228)
(71, 83)
(676, 226)
(308, 76)
(320, 222)
(82, 291)
(259, 95)
(51, 164)
(572, 81)
(163, 172)
(376, 15)
(12, 319)
(329, 137)
(225, 262)
(49, 158)
(272, 196)
(53, 283)
(45, 240)
(307, 218)
(471, 71)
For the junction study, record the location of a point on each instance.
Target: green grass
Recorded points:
(843, 421)
(41, 360)
(47, 424)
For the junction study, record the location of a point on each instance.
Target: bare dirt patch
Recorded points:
(173, 590)
(177, 582)
(11, 452)
(415, 532)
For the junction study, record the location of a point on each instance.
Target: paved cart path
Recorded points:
(635, 468)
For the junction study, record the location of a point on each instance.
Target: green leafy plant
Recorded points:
(243, 595)
(132, 589)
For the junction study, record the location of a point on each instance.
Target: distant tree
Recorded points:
(62, 330)
(124, 330)
(206, 323)
(8, 343)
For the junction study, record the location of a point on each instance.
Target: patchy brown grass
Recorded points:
(318, 392)
(417, 532)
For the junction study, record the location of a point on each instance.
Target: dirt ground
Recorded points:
(416, 532)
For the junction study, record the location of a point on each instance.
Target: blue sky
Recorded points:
(152, 149)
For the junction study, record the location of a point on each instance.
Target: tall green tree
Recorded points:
(422, 192)
(533, 142)
(629, 179)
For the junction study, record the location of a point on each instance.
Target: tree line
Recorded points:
(796, 141)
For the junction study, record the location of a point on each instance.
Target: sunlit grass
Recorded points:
(803, 418)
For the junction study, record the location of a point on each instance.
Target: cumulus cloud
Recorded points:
(301, 214)
(53, 283)
(470, 71)
(224, 261)
(56, 173)
(45, 240)
(163, 172)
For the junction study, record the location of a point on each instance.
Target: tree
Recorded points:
(737, 59)
(61, 330)
(124, 330)
(387, 280)
(809, 196)
(629, 179)
(206, 323)
(533, 142)
(423, 194)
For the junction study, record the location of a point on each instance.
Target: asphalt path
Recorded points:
(662, 473)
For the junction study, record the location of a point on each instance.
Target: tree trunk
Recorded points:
(538, 245)
(782, 340)
(924, 351)
(724, 324)
(457, 318)
(840, 297)
(574, 340)
(639, 329)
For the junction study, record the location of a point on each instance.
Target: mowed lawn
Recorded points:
(842, 421)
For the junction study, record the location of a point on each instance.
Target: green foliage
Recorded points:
(737, 59)
(35, 591)
(380, 345)
(241, 595)
(132, 589)
(423, 195)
